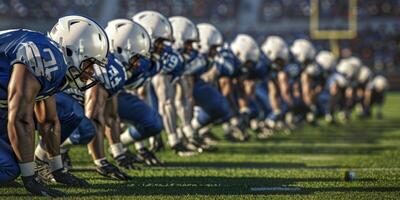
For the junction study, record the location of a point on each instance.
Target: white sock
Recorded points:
(98, 162)
(117, 149)
(173, 139)
(196, 124)
(226, 126)
(126, 137)
(55, 163)
(27, 169)
(188, 131)
(139, 145)
(41, 153)
(67, 143)
(204, 130)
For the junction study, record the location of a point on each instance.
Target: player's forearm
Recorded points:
(51, 135)
(114, 130)
(21, 135)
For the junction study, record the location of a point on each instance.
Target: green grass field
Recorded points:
(308, 164)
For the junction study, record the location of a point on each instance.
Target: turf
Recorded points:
(308, 164)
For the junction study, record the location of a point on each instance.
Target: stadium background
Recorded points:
(377, 42)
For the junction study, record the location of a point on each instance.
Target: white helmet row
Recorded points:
(83, 43)
(303, 50)
(156, 25)
(326, 59)
(275, 47)
(183, 30)
(347, 68)
(364, 74)
(355, 62)
(245, 48)
(127, 39)
(209, 36)
(380, 83)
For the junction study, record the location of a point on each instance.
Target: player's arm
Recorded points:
(273, 96)
(49, 125)
(305, 87)
(22, 90)
(285, 88)
(112, 120)
(95, 101)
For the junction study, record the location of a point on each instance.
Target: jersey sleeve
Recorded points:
(45, 61)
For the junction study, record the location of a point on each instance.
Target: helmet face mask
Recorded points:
(85, 78)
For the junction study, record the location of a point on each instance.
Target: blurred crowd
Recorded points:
(379, 46)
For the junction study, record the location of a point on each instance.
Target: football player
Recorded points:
(375, 95)
(211, 107)
(280, 89)
(130, 43)
(312, 77)
(36, 70)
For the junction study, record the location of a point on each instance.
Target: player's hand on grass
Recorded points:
(40, 189)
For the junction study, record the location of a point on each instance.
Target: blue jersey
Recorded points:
(227, 63)
(113, 76)
(38, 53)
(293, 71)
(261, 70)
(317, 76)
(171, 62)
(196, 65)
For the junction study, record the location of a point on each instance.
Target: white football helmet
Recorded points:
(156, 25)
(380, 83)
(326, 59)
(303, 50)
(84, 43)
(355, 62)
(275, 47)
(341, 81)
(313, 69)
(364, 75)
(183, 31)
(245, 48)
(346, 68)
(127, 39)
(209, 36)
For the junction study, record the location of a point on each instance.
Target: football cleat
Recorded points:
(126, 160)
(149, 157)
(62, 175)
(111, 171)
(181, 150)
